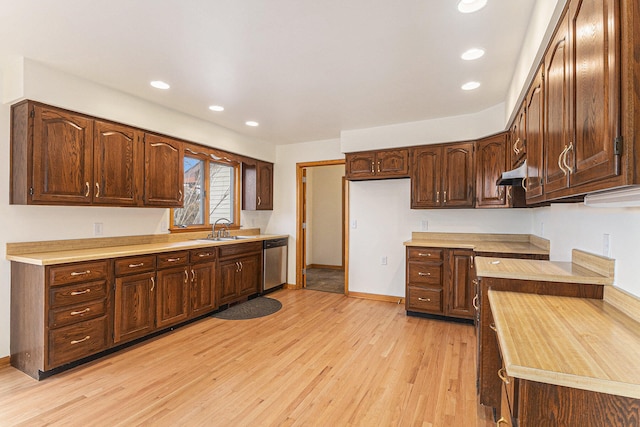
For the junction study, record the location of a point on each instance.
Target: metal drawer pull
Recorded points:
(205, 254)
(136, 265)
(79, 341)
(492, 326)
(80, 273)
(421, 254)
(475, 302)
(424, 299)
(173, 259)
(75, 313)
(503, 376)
(86, 291)
(420, 273)
(501, 421)
(193, 275)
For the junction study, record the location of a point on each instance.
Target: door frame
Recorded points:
(301, 281)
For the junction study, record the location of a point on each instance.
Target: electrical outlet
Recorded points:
(163, 225)
(606, 245)
(541, 228)
(424, 225)
(97, 229)
(383, 260)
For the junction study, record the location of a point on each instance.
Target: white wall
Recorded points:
(325, 239)
(384, 221)
(570, 226)
(35, 223)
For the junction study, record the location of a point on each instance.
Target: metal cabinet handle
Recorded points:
(437, 197)
(79, 341)
(474, 302)
(87, 189)
(80, 273)
(423, 254)
(201, 255)
(259, 201)
(97, 189)
(445, 197)
(501, 421)
(420, 273)
(472, 261)
(173, 259)
(502, 374)
(193, 275)
(136, 265)
(372, 170)
(186, 276)
(560, 161)
(378, 167)
(241, 266)
(179, 195)
(515, 146)
(424, 299)
(153, 284)
(492, 326)
(564, 158)
(75, 313)
(237, 266)
(86, 291)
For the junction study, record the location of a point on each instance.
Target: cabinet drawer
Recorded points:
(425, 273)
(77, 341)
(425, 299)
(425, 254)
(73, 273)
(77, 294)
(202, 255)
(239, 248)
(173, 259)
(138, 264)
(77, 313)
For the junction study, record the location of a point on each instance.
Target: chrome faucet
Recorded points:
(224, 231)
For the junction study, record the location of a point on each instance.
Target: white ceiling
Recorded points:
(304, 69)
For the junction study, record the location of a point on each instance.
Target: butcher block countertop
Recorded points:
(583, 268)
(482, 243)
(574, 342)
(68, 251)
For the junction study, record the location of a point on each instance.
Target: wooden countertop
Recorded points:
(584, 268)
(573, 342)
(480, 242)
(90, 254)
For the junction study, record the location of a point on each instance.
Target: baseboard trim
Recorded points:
(5, 361)
(376, 297)
(329, 267)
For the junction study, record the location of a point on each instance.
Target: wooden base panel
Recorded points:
(376, 297)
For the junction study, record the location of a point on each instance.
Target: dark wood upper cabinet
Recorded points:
(518, 138)
(532, 182)
(163, 167)
(51, 156)
(491, 161)
(378, 164)
(117, 162)
(257, 185)
(442, 176)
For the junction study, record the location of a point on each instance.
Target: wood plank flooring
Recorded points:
(322, 360)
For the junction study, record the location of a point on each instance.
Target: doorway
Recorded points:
(322, 200)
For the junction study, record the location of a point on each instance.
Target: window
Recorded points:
(207, 196)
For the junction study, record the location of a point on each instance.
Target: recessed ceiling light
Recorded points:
(470, 86)
(216, 108)
(469, 6)
(251, 123)
(159, 84)
(472, 54)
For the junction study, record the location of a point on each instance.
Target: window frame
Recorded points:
(209, 155)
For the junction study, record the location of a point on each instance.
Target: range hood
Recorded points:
(514, 176)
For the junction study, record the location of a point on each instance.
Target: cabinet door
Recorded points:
(62, 157)
(360, 165)
(491, 161)
(118, 164)
(556, 110)
(518, 137)
(533, 180)
(203, 291)
(134, 307)
(172, 297)
(227, 285)
(264, 186)
(595, 89)
(425, 177)
(250, 274)
(460, 283)
(163, 180)
(457, 173)
(392, 163)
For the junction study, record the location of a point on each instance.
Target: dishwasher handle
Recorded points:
(275, 243)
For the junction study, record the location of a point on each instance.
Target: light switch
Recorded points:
(354, 223)
(97, 229)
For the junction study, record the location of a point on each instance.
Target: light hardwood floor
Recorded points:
(322, 360)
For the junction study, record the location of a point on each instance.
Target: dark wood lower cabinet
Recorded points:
(203, 291)
(134, 307)
(172, 296)
(240, 271)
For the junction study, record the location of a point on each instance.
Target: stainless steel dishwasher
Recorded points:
(274, 258)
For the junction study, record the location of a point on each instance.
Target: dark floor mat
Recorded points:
(257, 307)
